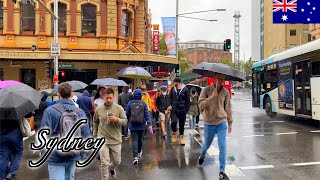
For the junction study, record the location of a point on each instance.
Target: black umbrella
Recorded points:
(209, 69)
(76, 85)
(17, 101)
(198, 88)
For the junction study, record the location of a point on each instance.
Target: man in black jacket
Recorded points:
(162, 103)
(179, 100)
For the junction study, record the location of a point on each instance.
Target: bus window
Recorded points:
(271, 79)
(316, 68)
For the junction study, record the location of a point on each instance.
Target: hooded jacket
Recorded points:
(85, 102)
(137, 95)
(162, 102)
(180, 101)
(146, 98)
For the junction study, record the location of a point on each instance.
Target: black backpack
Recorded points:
(67, 120)
(137, 112)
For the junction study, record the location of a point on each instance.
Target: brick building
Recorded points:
(97, 37)
(197, 55)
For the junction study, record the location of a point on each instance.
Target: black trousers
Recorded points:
(178, 117)
(136, 142)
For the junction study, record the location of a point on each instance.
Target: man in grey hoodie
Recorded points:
(124, 98)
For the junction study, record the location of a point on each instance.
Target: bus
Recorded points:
(289, 82)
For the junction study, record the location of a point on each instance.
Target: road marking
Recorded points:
(252, 123)
(315, 131)
(256, 167)
(305, 164)
(32, 133)
(212, 151)
(288, 133)
(276, 121)
(258, 135)
(232, 170)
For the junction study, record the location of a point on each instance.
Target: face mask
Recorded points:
(164, 93)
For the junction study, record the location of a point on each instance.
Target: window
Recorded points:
(306, 32)
(27, 18)
(271, 79)
(293, 32)
(62, 22)
(1, 15)
(89, 21)
(275, 51)
(292, 46)
(125, 24)
(1, 74)
(316, 68)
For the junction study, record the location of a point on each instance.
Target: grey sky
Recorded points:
(202, 30)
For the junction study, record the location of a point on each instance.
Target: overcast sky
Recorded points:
(202, 30)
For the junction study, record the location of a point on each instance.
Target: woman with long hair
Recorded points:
(99, 98)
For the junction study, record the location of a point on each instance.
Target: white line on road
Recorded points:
(315, 131)
(256, 167)
(258, 135)
(276, 121)
(252, 123)
(305, 164)
(287, 133)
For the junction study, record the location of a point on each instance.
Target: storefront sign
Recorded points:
(156, 38)
(66, 66)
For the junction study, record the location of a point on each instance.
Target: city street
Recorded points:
(263, 148)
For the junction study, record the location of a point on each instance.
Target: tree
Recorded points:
(227, 62)
(163, 47)
(247, 67)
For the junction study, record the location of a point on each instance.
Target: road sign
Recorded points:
(55, 78)
(55, 49)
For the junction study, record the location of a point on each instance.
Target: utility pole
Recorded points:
(55, 34)
(237, 39)
(177, 34)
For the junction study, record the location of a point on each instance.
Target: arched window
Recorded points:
(125, 24)
(62, 22)
(27, 18)
(89, 20)
(1, 15)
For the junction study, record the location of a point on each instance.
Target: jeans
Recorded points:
(65, 170)
(198, 119)
(125, 130)
(192, 121)
(11, 151)
(181, 117)
(136, 142)
(209, 132)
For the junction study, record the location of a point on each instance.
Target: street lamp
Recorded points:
(182, 15)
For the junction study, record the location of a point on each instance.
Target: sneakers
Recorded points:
(113, 174)
(200, 161)
(197, 125)
(164, 135)
(135, 160)
(10, 177)
(126, 138)
(223, 176)
(140, 154)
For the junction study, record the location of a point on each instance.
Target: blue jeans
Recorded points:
(209, 132)
(62, 171)
(11, 151)
(136, 142)
(192, 121)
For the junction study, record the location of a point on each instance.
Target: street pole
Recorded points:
(55, 34)
(177, 32)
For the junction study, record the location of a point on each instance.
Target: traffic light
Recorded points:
(227, 44)
(49, 69)
(62, 73)
(177, 71)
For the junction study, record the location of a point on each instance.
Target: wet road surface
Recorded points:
(263, 148)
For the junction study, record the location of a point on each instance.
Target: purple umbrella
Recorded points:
(6, 83)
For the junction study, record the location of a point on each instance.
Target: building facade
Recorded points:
(97, 37)
(314, 31)
(274, 38)
(201, 44)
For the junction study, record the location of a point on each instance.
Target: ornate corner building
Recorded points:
(97, 38)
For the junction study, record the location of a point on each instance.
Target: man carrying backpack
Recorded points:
(138, 115)
(60, 115)
(107, 122)
(214, 102)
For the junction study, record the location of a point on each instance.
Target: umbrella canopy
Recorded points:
(76, 85)
(49, 91)
(6, 83)
(209, 69)
(17, 101)
(109, 82)
(134, 73)
(198, 88)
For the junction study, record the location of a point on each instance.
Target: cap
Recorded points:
(143, 87)
(177, 79)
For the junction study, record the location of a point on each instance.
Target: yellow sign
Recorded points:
(156, 27)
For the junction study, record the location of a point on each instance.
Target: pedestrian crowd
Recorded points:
(134, 113)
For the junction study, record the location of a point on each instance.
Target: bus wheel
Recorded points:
(268, 108)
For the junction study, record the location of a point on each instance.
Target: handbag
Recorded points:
(25, 127)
